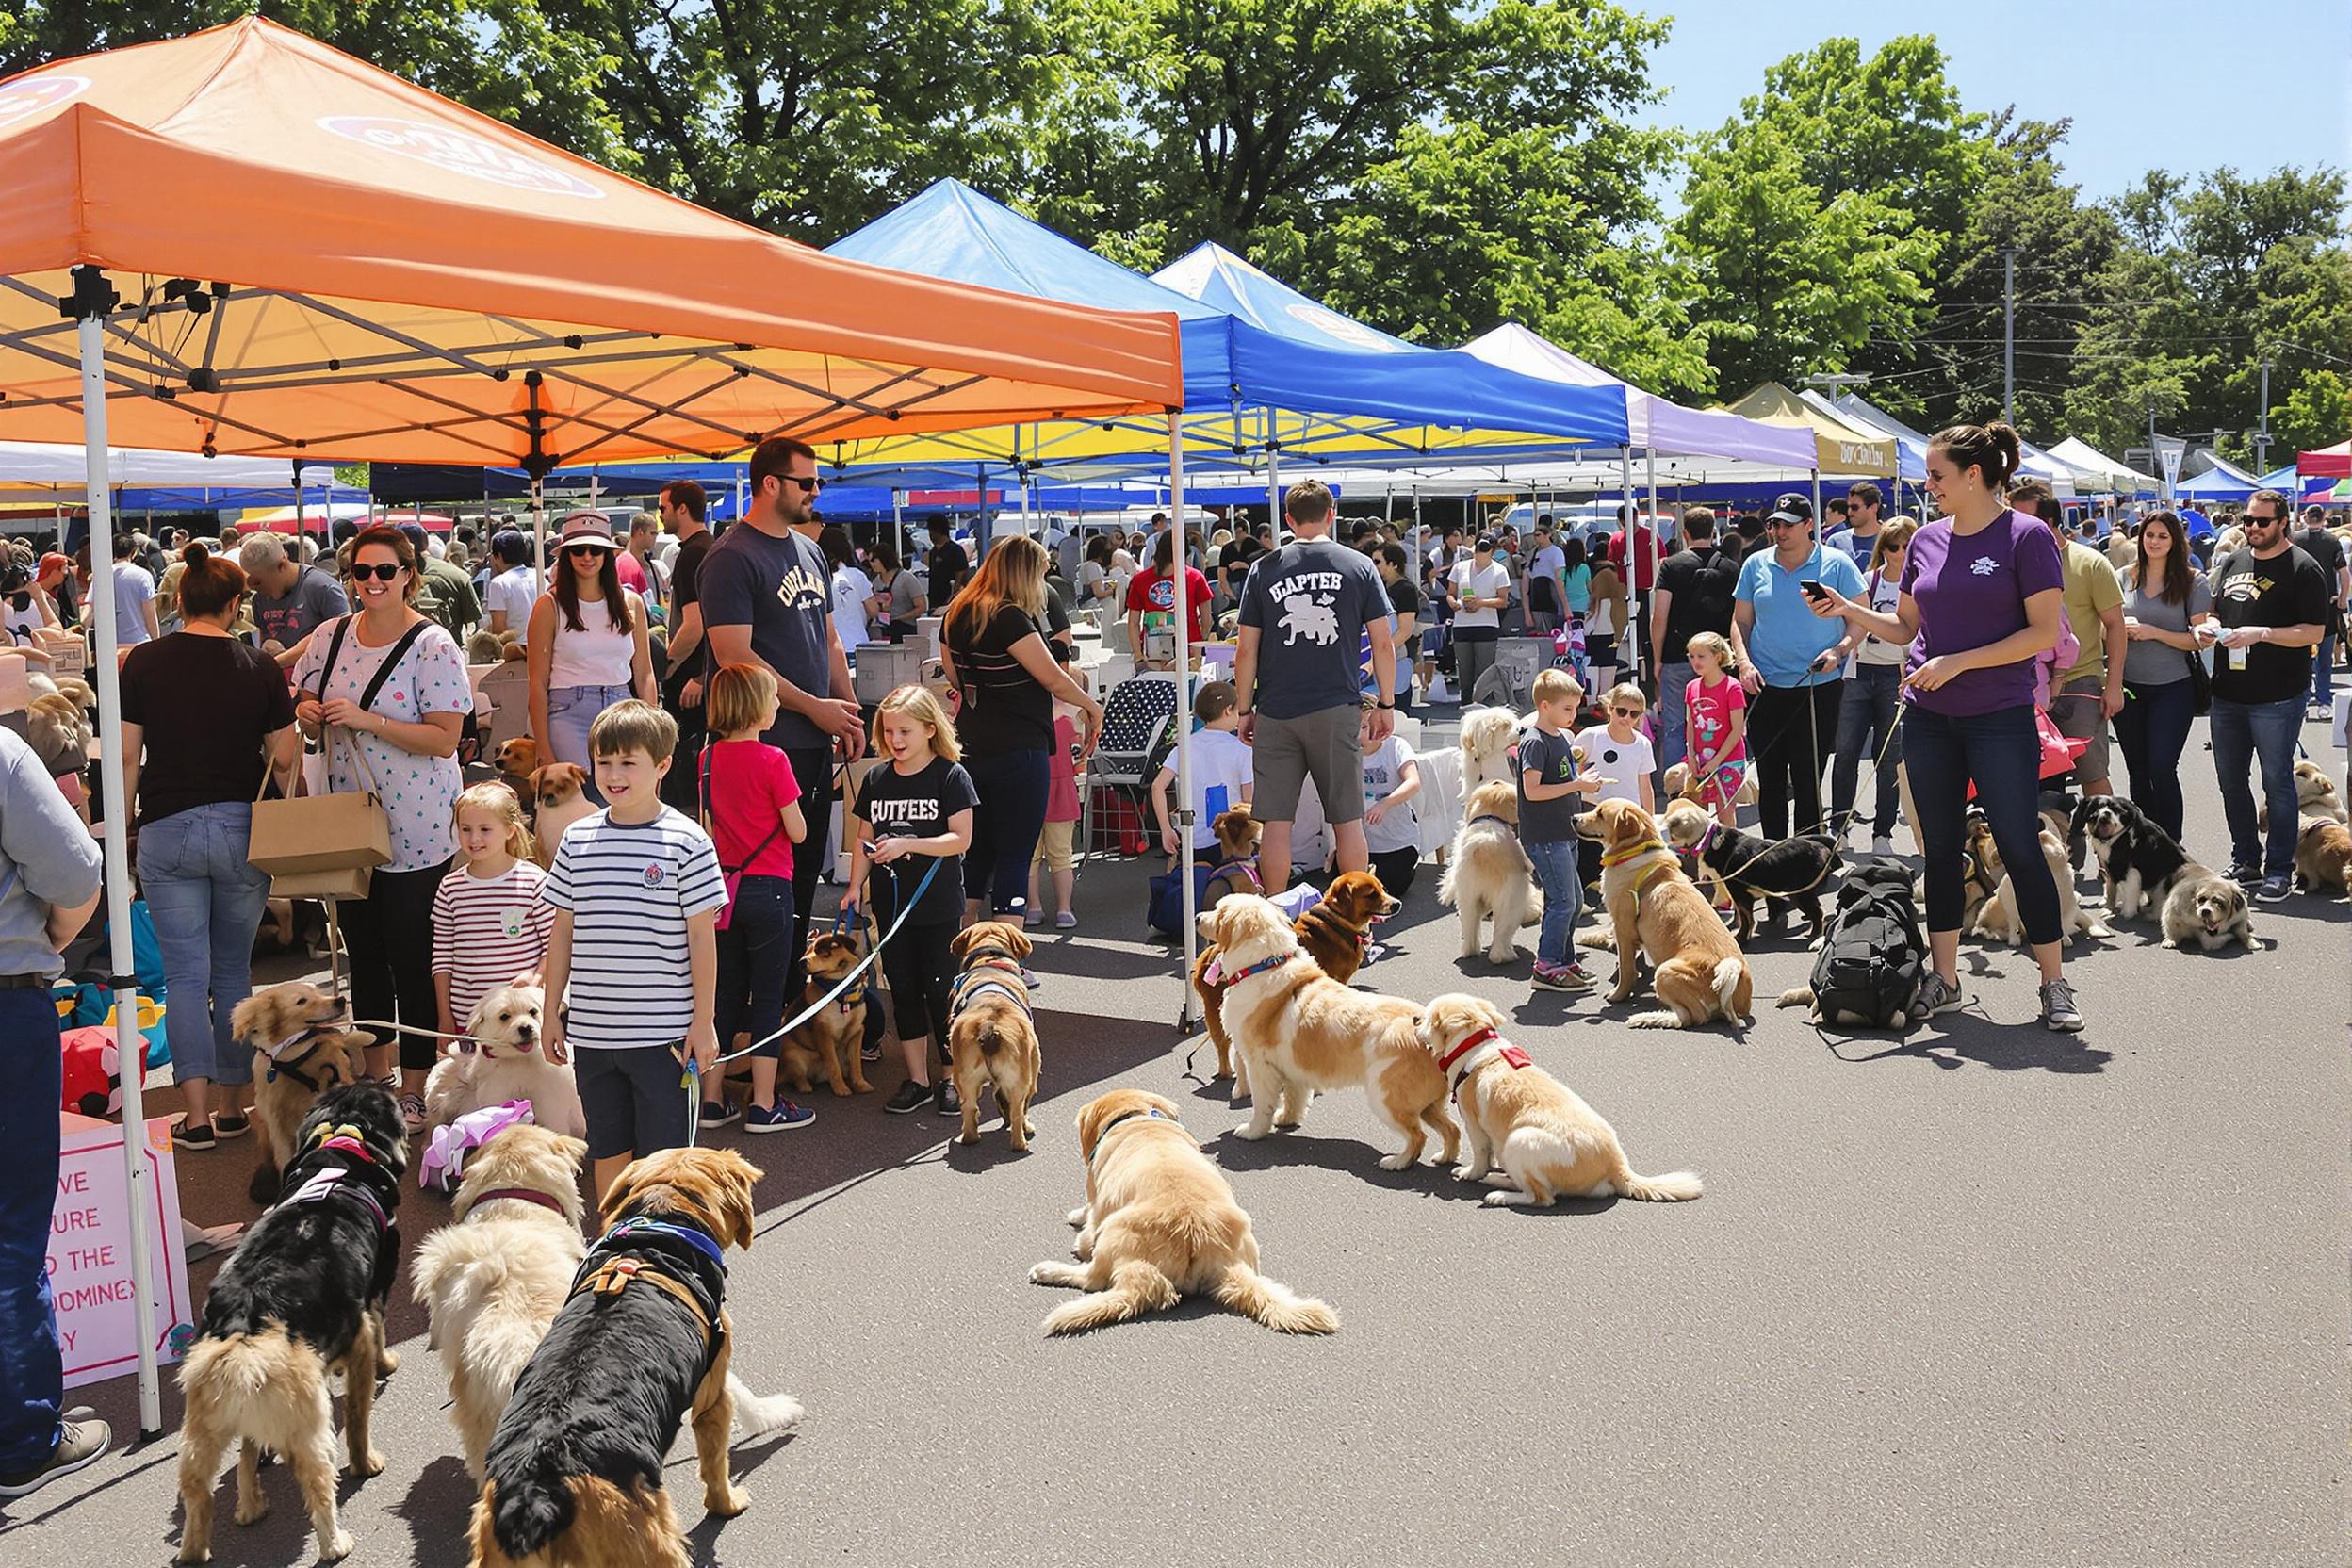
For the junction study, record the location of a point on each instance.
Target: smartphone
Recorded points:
(1813, 589)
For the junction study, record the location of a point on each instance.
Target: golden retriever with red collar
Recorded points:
(1549, 1143)
(1299, 1030)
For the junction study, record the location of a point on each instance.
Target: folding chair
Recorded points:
(1135, 718)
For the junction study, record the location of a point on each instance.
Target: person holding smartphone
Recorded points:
(1790, 660)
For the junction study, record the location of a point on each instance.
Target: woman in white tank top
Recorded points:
(588, 644)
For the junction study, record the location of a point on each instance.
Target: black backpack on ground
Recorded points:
(1873, 959)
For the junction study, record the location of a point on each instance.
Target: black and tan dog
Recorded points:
(574, 1466)
(829, 1041)
(301, 1297)
(991, 1040)
(1238, 835)
(300, 1051)
(1787, 875)
(1334, 932)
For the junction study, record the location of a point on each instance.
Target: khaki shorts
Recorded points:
(1285, 753)
(2077, 714)
(1055, 844)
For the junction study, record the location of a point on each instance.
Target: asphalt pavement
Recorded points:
(1984, 1295)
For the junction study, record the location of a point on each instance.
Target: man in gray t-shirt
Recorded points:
(1313, 602)
(289, 601)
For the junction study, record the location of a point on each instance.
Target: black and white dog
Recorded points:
(1790, 874)
(2139, 863)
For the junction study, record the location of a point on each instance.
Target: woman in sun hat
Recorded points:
(587, 643)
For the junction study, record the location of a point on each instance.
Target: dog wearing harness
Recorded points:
(302, 1298)
(302, 1050)
(1788, 875)
(991, 1036)
(828, 1041)
(1488, 874)
(1548, 1142)
(642, 1340)
(1655, 912)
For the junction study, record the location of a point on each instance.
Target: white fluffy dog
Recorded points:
(504, 1064)
(495, 1277)
(1488, 735)
(1488, 874)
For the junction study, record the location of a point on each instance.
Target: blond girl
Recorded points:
(1718, 725)
(489, 924)
(913, 815)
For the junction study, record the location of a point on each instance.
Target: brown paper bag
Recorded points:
(321, 833)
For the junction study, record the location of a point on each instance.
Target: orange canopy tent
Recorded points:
(315, 256)
(245, 241)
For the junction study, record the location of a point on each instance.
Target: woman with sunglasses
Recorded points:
(587, 643)
(384, 689)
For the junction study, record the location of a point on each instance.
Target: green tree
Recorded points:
(2316, 414)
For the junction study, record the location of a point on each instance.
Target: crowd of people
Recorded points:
(703, 685)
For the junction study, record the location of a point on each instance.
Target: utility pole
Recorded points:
(2009, 335)
(2261, 429)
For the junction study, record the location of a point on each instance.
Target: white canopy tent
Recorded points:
(2101, 473)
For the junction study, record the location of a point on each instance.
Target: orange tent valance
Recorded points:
(314, 256)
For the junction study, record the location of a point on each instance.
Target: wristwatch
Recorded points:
(1390, 706)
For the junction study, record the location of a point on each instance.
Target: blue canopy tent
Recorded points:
(2223, 482)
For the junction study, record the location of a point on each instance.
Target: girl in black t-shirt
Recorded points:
(913, 814)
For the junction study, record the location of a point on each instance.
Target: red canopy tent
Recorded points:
(2327, 463)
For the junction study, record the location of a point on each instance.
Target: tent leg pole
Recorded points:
(538, 529)
(1657, 548)
(95, 301)
(1185, 1019)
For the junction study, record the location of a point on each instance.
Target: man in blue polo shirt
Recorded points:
(1790, 660)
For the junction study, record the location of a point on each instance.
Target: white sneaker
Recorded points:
(1882, 843)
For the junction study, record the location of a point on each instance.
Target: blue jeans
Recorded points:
(1012, 788)
(1673, 679)
(1866, 726)
(2153, 730)
(1564, 900)
(2323, 674)
(2242, 732)
(208, 900)
(2002, 752)
(571, 711)
(32, 1376)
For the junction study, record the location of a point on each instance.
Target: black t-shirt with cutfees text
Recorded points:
(916, 806)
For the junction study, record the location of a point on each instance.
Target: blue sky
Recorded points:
(2152, 84)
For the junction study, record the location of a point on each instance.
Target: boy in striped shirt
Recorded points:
(634, 954)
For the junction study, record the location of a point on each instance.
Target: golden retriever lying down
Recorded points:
(1299, 1030)
(1549, 1143)
(1160, 1222)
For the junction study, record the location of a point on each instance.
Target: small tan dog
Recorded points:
(1656, 913)
(299, 1052)
(1998, 921)
(517, 760)
(991, 1040)
(1488, 875)
(1679, 786)
(2207, 911)
(505, 1064)
(561, 791)
(2323, 857)
(494, 1277)
(1238, 835)
(1160, 1222)
(2315, 796)
(1549, 1143)
(1300, 1031)
(831, 1041)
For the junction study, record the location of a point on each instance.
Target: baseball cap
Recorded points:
(1790, 508)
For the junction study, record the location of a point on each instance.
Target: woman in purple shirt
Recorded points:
(1981, 600)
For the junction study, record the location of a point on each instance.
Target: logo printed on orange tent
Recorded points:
(459, 152)
(24, 99)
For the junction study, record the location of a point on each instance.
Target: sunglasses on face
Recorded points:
(2252, 521)
(581, 552)
(1626, 713)
(811, 484)
(382, 571)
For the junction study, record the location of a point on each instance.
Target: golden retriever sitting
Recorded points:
(1160, 1222)
(1488, 875)
(991, 1036)
(1549, 1143)
(1656, 913)
(504, 1064)
(300, 1053)
(1300, 1031)
(494, 1277)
